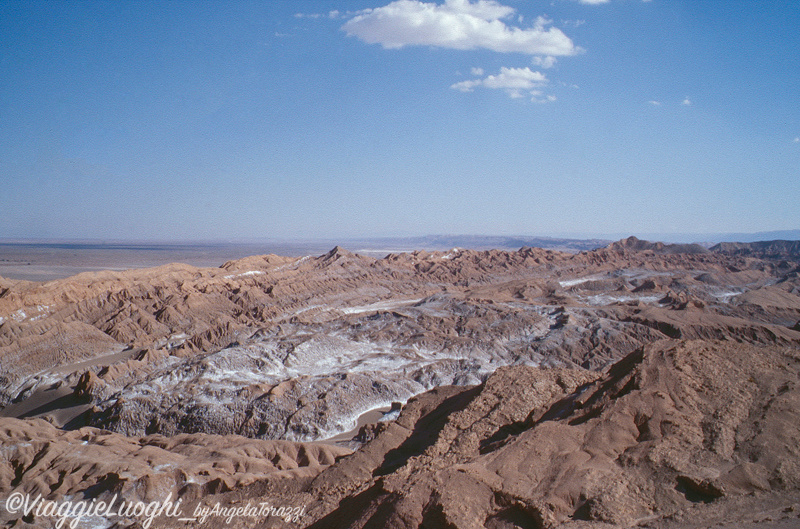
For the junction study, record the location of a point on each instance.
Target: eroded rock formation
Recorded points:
(640, 383)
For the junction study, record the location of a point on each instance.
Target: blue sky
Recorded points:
(235, 120)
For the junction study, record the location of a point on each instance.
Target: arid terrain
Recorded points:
(638, 384)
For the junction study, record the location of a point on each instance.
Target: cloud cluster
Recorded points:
(517, 82)
(456, 24)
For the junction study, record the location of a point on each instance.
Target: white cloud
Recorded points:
(655, 103)
(477, 71)
(686, 101)
(331, 14)
(545, 62)
(517, 82)
(796, 140)
(456, 24)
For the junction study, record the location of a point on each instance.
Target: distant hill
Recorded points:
(632, 243)
(762, 249)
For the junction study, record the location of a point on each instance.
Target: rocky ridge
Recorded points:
(762, 249)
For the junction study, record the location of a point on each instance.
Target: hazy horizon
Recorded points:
(334, 120)
(656, 237)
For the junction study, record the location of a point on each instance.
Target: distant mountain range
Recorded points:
(709, 239)
(476, 242)
(189, 249)
(785, 235)
(577, 243)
